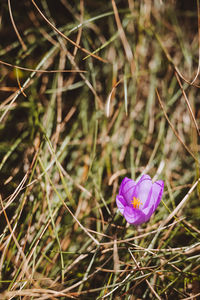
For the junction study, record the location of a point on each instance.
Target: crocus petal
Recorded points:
(126, 189)
(122, 184)
(148, 211)
(142, 190)
(154, 200)
(157, 191)
(121, 203)
(133, 216)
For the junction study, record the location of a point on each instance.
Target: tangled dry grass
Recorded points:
(92, 91)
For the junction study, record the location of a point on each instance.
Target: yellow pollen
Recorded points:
(136, 203)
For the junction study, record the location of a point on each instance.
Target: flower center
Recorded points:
(136, 203)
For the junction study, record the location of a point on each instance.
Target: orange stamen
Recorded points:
(136, 203)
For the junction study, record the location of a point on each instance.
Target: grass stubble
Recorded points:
(92, 92)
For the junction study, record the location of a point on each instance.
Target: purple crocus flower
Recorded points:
(138, 201)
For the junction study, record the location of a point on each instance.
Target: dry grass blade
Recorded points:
(177, 210)
(110, 96)
(40, 71)
(188, 104)
(66, 38)
(15, 28)
(198, 69)
(124, 40)
(15, 240)
(148, 283)
(173, 129)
